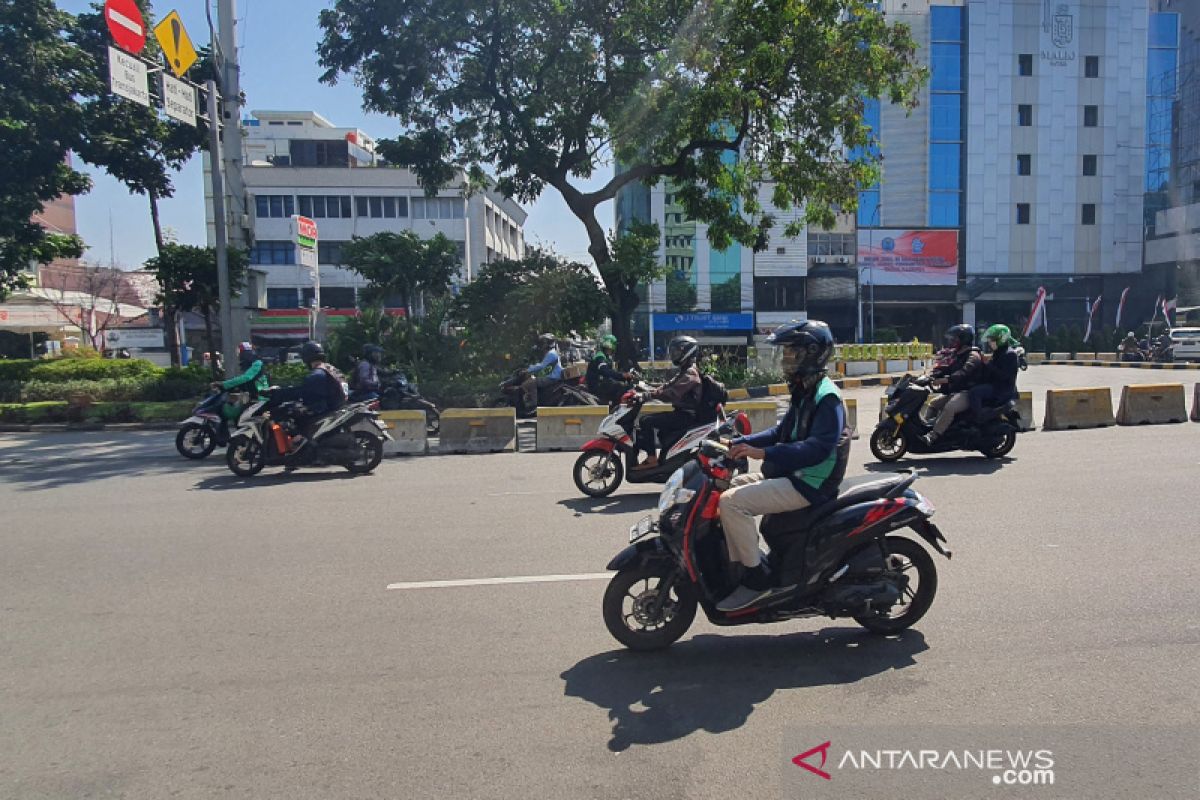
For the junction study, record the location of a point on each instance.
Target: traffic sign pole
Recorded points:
(219, 229)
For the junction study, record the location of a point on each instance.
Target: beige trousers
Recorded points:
(747, 497)
(947, 407)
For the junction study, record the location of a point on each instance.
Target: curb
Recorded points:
(1117, 364)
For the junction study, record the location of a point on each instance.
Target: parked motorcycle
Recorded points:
(610, 458)
(397, 393)
(835, 559)
(351, 437)
(993, 432)
(566, 392)
(207, 429)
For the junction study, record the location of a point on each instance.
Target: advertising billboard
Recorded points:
(889, 257)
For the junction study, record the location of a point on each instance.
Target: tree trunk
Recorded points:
(623, 304)
(169, 315)
(212, 346)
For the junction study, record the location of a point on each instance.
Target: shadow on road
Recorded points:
(713, 683)
(72, 459)
(960, 465)
(610, 505)
(229, 481)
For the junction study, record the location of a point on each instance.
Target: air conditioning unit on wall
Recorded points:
(843, 260)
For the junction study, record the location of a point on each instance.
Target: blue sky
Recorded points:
(279, 71)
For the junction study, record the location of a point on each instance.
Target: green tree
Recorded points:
(511, 302)
(131, 142)
(40, 123)
(716, 97)
(403, 265)
(187, 278)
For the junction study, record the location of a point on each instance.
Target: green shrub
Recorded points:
(113, 389)
(10, 391)
(15, 369)
(93, 369)
(461, 391)
(33, 413)
(139, 412)
(288, 374)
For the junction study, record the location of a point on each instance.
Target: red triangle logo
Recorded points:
(823, 749)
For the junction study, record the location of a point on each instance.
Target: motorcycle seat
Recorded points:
(849, 493)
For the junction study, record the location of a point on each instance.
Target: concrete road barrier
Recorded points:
(1078, 408)
(763, 414)
(478, 430)
(408, 431)
(1196, 404)
(852, 415)
(568, 428)
(1025, 407)
(1152, 404)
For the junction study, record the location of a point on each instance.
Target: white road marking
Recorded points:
(594, 576)
(124, 21)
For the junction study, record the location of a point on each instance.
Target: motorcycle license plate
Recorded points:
(644, 526)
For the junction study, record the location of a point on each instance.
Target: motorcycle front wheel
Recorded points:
(245, 456)
(598, 473)
(1002, 446)
(629, 603)
(912, 560)
(370, 453)
(195, 441)
(888, 445)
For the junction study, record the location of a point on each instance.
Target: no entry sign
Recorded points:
(126, 25)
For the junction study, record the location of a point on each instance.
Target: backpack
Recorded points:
(712, 392)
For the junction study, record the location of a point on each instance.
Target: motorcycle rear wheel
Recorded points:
(915, 561)
(628, 601)
(245, 457)
(372, 453)
(888, 446)
(195, 441)
(591, 461)
(1002, 447)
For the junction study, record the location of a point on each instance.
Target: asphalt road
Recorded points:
(167, 630)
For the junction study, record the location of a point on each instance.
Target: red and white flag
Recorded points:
(1168, 308)
(1037, 314)
(1093, 312)
(1121, 306)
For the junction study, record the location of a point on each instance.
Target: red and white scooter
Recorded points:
(610, 458)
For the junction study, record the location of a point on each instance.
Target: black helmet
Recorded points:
(811, 343)
(312, 352)
(960, 336)
(546, 340)
(246, 355)
(683, 350)
(373, 353)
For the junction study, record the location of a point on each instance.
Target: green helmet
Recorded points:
(1000, 334)
(608, 342)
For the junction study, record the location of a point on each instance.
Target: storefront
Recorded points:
(719, 332)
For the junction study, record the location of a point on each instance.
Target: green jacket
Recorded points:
(254, 379)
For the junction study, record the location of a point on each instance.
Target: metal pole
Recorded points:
(219, 228)
(231, 98)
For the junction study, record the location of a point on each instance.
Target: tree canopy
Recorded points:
(717, 97)
(403, 265)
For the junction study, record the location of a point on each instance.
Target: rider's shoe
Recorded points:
(930, 439)
(650, 463)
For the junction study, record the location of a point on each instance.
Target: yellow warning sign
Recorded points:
(176, 44)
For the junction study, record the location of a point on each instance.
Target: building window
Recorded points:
(945, 117)
(779, 294)
(274, 206)
(330, 252)
(830, 244)
(282, 298)
(946, 24)
(944, 166)
(1025, 115)
(1022, 213)
(319, 206)
(266, 251)
(1024, 164)
(437, 208)
(1091, 116)
(1091, 67)
(943, 209)
(1089, 165)
(335, 297)
(319, 153)
(1089, 213)
(381, 207)
(1025, 64)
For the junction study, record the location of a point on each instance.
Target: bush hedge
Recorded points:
(64, 370)
(15, 369)
(56, 412)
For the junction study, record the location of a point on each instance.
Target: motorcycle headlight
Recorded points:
(674, 493)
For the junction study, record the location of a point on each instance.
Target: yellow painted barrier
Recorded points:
(1025, 407)
(568, 428)
(851, 405)
(1078, 408)
(1152, 404)
(763, 414)
(739, 394)
(407, 429)
(478, 430)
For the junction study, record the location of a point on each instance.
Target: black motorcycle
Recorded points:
(351, 437)
(207, 429)
(834, 560)
(992, 432)
(565, 392)
(397, 393)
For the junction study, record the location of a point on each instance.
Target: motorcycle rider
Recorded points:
(365, 380)
(803, 457)
(683, 393)
(1130, 351)
(603, 380)
(322, 392)
(544, 374)
(998, 378)
(252, 379)
(954, 380)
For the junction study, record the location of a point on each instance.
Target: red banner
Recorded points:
(908, 258)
